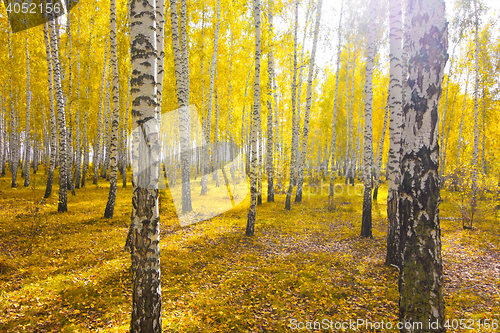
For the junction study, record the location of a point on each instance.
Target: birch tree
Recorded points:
(78, 146)
(68, 102)
(113, 175)
(52, 116)
(95, 156)
(270, 70)
(144, 233)
(27, 138)
(476, 132)
(334, 118)
(393, 255)
(61, 120)
(305, 132)
(421, 274)
(255, 125)
(181, 76)
(185, 120)
(366, 222)
(293, 155)
(13, 142)
(204, 177)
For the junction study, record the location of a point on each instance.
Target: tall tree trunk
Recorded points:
(61, 119)
(305, 132)
(182, 77)
(52, 116)
(393, 255)
(255, 124)
(270, 70)
(185, 120)
(27, 138)
(143, 238)
(69, 134)
(78, 147)
(113, 177)
(476, 130)
(95, 155)
(206, 160)
(421, 285)
(295, 127)
(13, 142)
(86, 150)
(301, 66)
(366, 222)
(333, 143)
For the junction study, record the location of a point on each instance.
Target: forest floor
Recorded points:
(69, 273)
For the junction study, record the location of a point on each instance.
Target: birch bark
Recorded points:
(393, 255)
(421, 284)
(144, 234)
(476, 130)
(27, 138)
(334, 118)
(305, 132)
(204, 178)
(113, 176)
(61, 119)
(270, 69)
(255, 124)
(293, 155)
(366, 221)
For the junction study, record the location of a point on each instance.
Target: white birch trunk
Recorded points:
(27, 138)
(293, 154)
(13, 141)
(113, 175)
(52, 117)
(61, 119)
(476, 130)
(270, 141)
(305, 132)
(206, 161)
(333, 143)
(393, 255)
(366, 221)
(421, 284)
(255, 125)
(78, 147)
(95, 156)
(144, 234)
